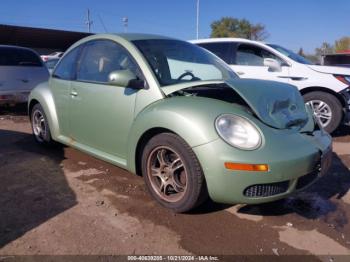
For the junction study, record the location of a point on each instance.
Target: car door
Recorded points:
(60, 84)
(101, 114)
(249, 63)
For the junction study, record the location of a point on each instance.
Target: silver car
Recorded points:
(21, 69)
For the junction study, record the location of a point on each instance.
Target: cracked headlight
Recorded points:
(238, 132)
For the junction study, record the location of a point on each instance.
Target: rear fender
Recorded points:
(43, 95)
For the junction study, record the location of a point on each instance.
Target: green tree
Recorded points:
(301, 52)
(233, 27)
(342, 44)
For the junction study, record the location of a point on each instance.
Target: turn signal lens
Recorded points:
(247, 167)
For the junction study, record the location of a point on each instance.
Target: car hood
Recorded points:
(336, 70)
(276, 104)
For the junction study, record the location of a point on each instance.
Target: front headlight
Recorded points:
(238, 132)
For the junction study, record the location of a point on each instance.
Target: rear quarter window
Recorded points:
(224, 50)
(19, 57)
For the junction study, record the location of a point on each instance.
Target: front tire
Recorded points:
(40, 125)
(327, 109)
(172, 173)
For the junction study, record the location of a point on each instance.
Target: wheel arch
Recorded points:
(43, 95)
(146, 136)
(325, 90)
(31, 104)
(151, 123)
(188, 117)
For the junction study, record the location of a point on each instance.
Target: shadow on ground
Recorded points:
(17, 110)
(342, 133)
(314, 201)
(33, 188)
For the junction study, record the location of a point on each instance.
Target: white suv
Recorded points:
(326, 89)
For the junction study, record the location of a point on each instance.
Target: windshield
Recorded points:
(291, 55)
(175, 61)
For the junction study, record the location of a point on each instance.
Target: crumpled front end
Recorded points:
(276, 104)
(295, 160)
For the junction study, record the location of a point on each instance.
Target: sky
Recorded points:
(293, 23)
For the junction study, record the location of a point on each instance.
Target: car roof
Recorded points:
(140, 36)
(126, 37)
(226, 39)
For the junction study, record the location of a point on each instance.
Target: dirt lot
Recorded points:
(61, 201)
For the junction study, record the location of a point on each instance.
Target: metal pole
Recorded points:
(197, 19)
(125, 22)
(88, 21)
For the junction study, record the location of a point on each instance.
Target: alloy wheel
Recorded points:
(39, 126)
(322, 111)
(167, 174)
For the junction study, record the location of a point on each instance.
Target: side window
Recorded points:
(28, 58)
(66, 67)
(100, 58)
(251, 55)
(222, 50)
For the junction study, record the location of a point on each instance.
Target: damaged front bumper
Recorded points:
(295, 161)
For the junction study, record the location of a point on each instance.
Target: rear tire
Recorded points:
(40, 126)
(172, 173)
(327, 108)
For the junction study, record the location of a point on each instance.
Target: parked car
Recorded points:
(325, 88)
(178, 115)
(51, 63)
(21, 69)
(51, 56)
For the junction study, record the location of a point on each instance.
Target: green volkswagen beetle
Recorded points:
(177, 115)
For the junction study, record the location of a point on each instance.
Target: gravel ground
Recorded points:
(59, 201)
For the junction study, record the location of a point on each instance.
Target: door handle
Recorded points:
(240, 73)
(294, 78)
(74, 93)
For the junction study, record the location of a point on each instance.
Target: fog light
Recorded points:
(247, 167)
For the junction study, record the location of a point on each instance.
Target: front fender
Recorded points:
(192, 118)
(42, 93)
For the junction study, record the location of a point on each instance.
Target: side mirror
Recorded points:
(273, 65)
(125, 78)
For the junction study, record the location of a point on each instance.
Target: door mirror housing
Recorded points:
(125, 78)
(273, 65)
